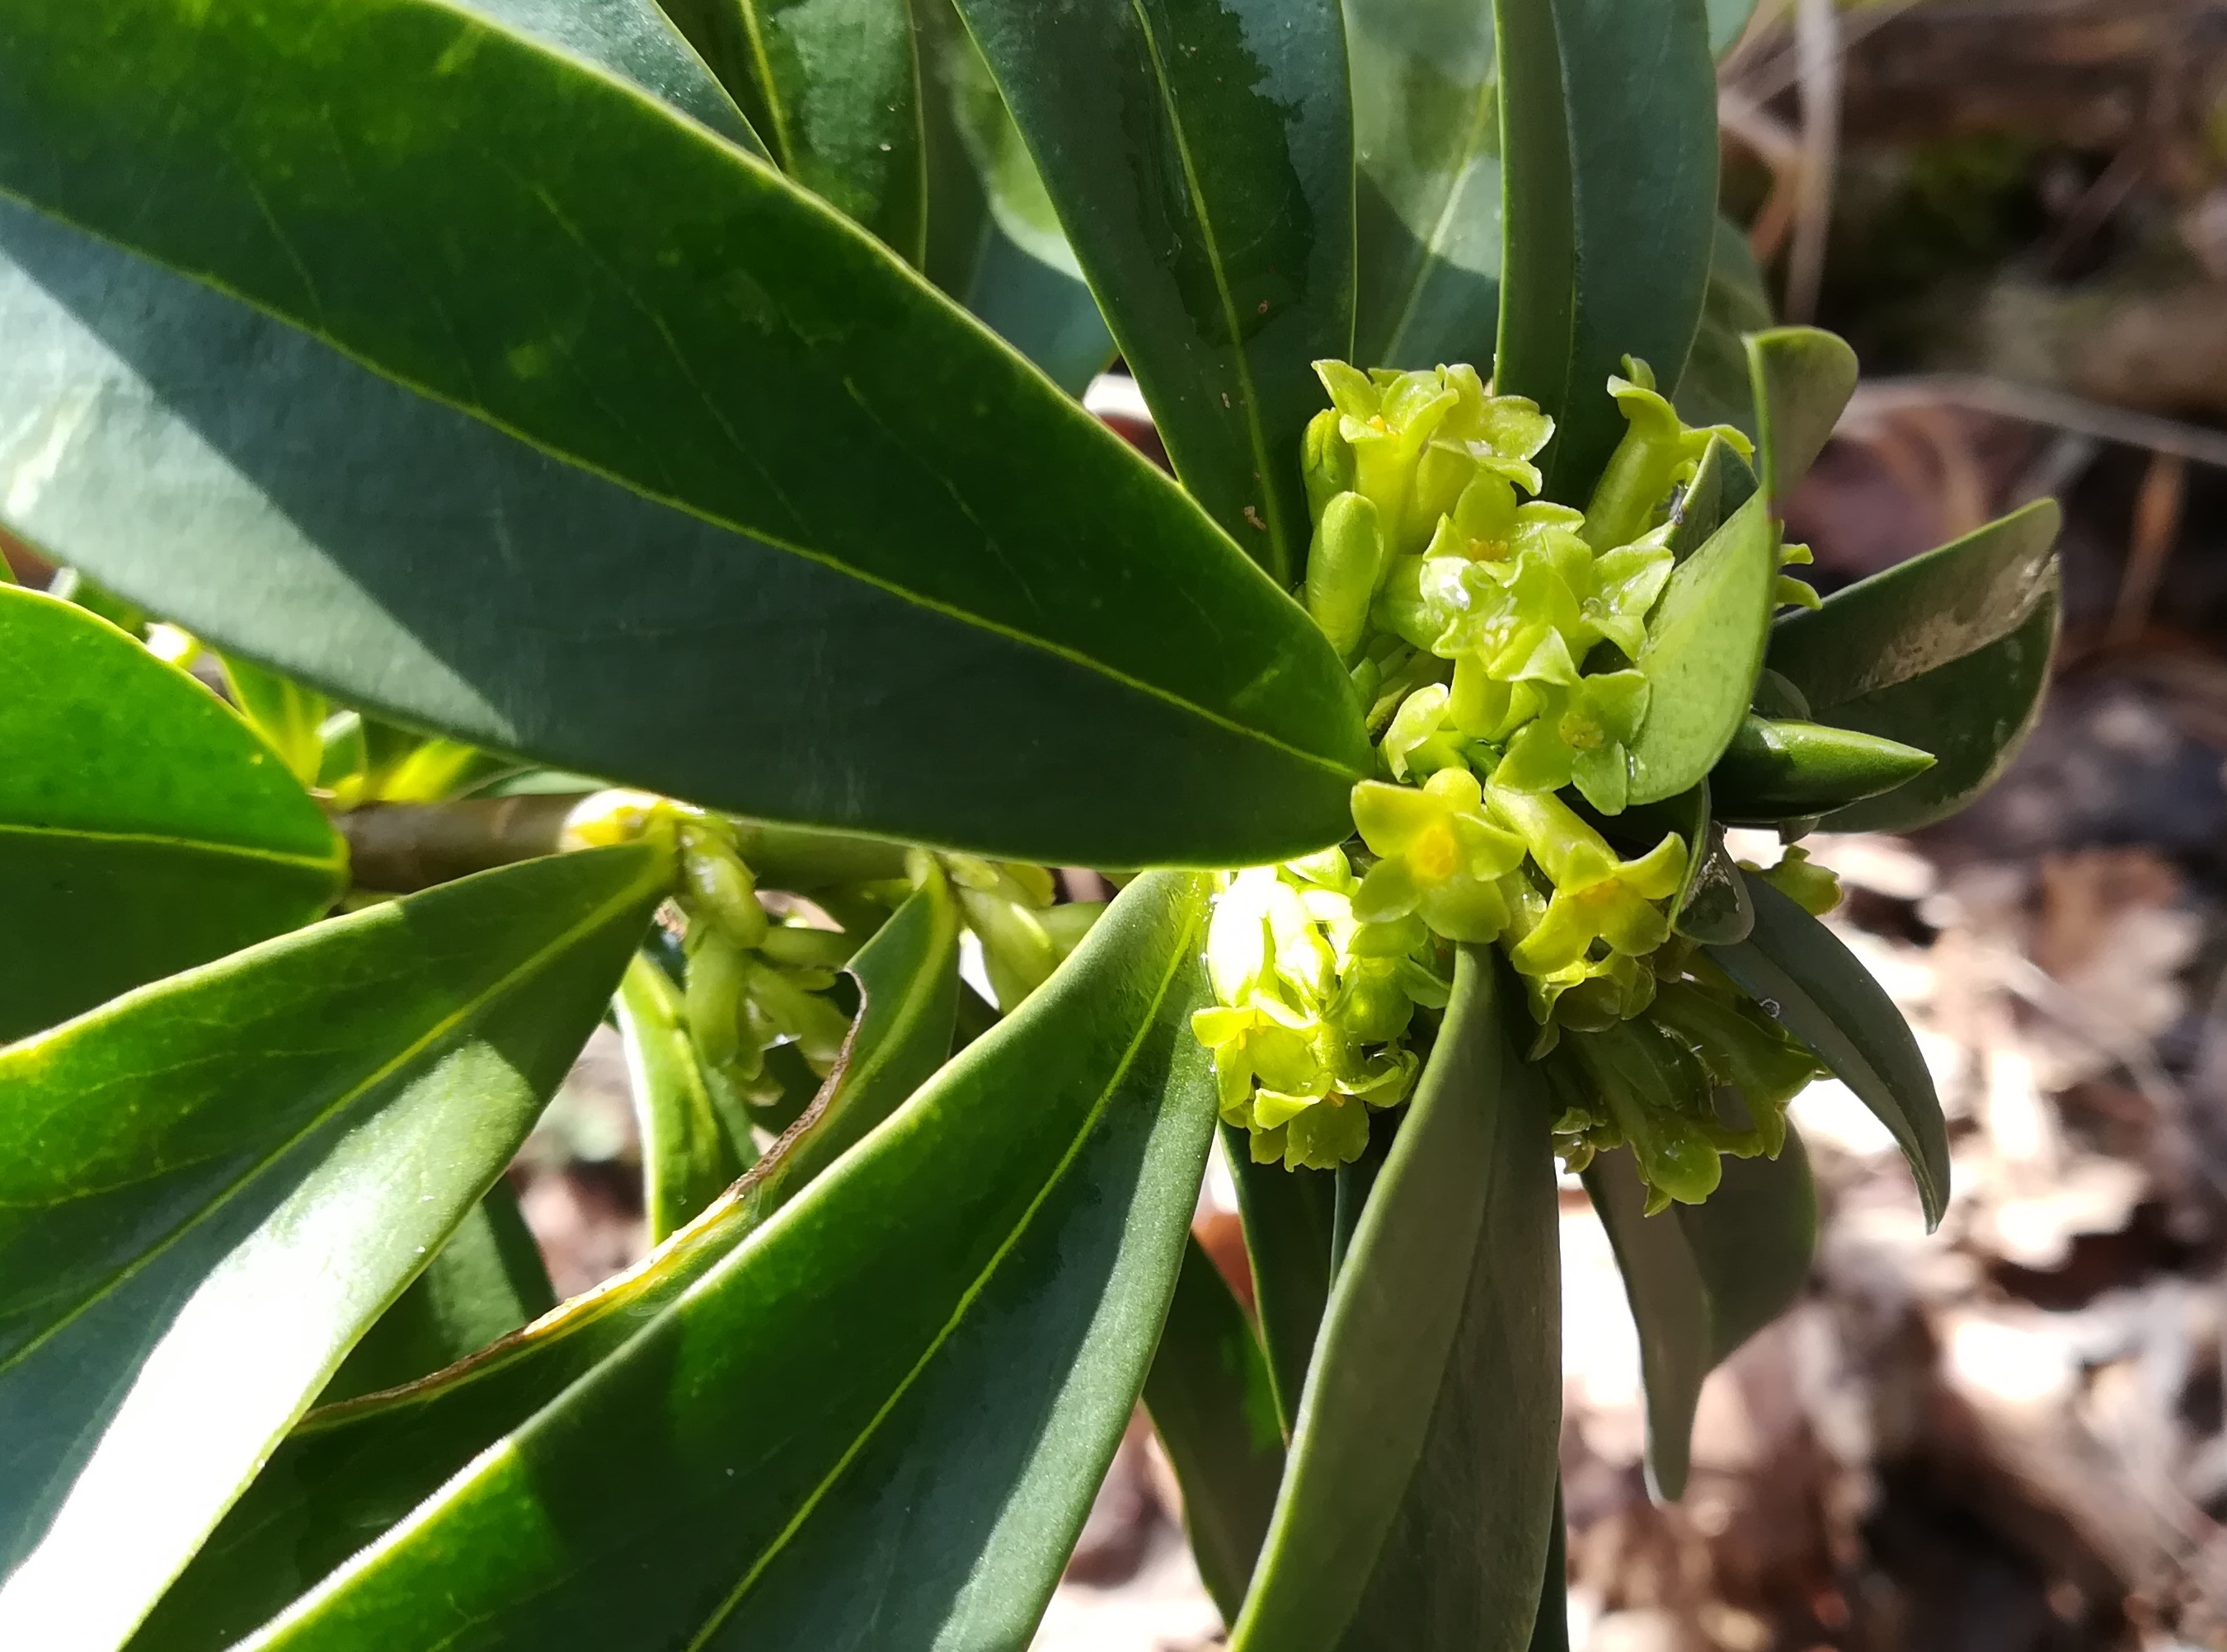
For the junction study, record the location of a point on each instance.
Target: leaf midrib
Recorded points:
(578, 1314)
(330, 865)
(1178, 955)
(1066, 652)
(777, 112)
(440, 1029)
(1457, 193)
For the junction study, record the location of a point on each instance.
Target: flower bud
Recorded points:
(1326, 461)
(1342, 565)
(1778, 770)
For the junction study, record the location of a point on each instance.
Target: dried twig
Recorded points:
(2037, 405)
(2156, 525)
(1817, 39)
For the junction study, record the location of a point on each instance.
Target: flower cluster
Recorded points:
(1313, 1007)
(1498, 641)
(753, 984)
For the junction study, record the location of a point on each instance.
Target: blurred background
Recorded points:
(2010, 1436)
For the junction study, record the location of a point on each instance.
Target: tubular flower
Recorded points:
(1438, 856)
(1814, 888)
(1386, 418)
(1597, 896)
(1421, 740)
(1659, 452)
(1657, 1099)
(1578, 736)
(1313, 1007)
(1621, 589)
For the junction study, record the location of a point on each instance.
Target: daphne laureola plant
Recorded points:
(622, 472)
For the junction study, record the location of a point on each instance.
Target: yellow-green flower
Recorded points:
(1814, 888)
(1420, 741)
(1265, 1042)
(1386, 418)
(1438, 856)
(1619, 589)
(1596, 896)
(1580, 735)
(1658, 451)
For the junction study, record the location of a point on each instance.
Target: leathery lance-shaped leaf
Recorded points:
(686, 1157)
(1702, 1279)
(994, 242)
(1949, 651)
(348, 1472)
(213, 1185)
(1716, 388)
(1608, 121)
(1426, 180)
(1808, 981)
(1214, 1407)
(1550, 1628)
(1200, 153)
(1801, 377)
(484, 1283)
(144, 828)
(833, 91)
(1920, 615)
(1705, 645)
(1973, 713)
(1722, 483)
(910, 511)
(1415, 1508)
(633, 39)
(908, 976)
(952, 1326)
(1289, 1216)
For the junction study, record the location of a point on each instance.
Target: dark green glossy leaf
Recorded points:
(994, 243)
(349, 1472)
(1415, 1509)
(1920, 615)
(1808, 982)
(833, 90)
(1949, 651)
(912, 511)
(1704, 645)
(1215, 1409)
(1608, 121)
(635, 41)
(484, 1283)
(144, 828)
(1200, 153)
(1550, 1629)
(1703, 1278)
(1289, 1217)
(883, 1420)
(1426, 154)
(1801, 377)
(1728, 22)
(1783, 768)
(210, 1188)
(1723, 483)
(908, 977)
(1715, 389)
(687, 1159)
(1977, 711)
